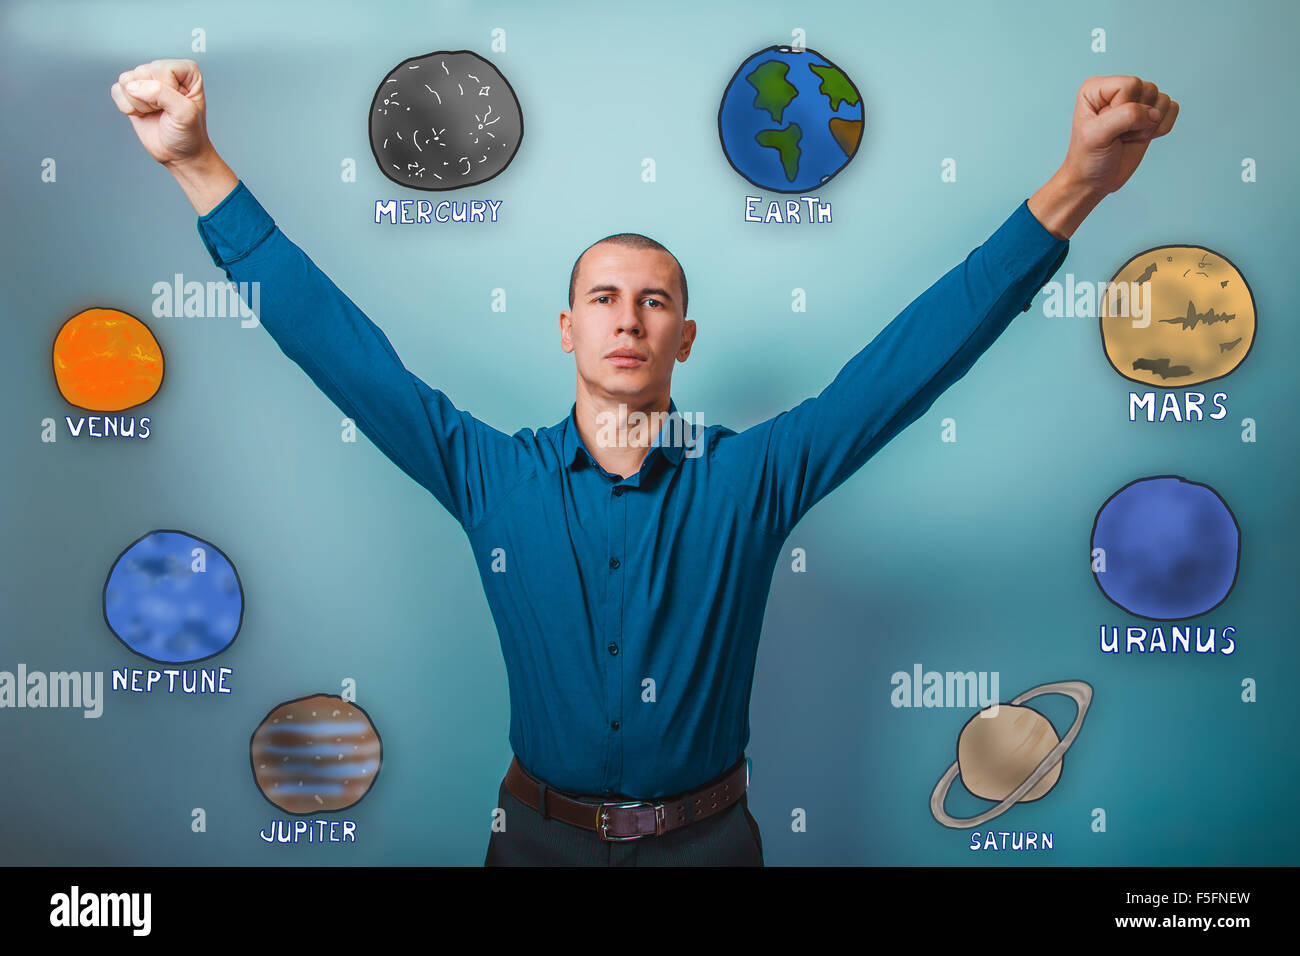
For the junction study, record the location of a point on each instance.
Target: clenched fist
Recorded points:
(1115, 119)
(164, 100)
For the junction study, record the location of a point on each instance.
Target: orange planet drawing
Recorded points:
(106, 360)
(1200, 320)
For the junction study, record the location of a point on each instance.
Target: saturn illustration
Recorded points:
(1010, 754)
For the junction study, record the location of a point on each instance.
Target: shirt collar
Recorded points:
(575, 449)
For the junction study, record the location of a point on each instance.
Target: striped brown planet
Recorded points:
(315, 754)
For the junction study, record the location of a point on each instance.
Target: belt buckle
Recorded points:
(602, 819)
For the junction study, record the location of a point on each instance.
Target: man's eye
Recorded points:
(655, 301)
(601, 298)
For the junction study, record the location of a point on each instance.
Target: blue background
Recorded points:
(965, 556)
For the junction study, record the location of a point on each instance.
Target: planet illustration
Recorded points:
(1010, 754)
(173, 598)
(444, 120)
(790, 119)
(1199, 321)
(1171, 548)
(106, 361)
(315, 754)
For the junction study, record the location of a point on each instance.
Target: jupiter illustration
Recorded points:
(315, 754)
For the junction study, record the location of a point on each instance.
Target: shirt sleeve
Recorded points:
(785, 465)
(464, 463)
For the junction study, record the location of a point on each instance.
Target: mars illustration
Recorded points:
(1198, 322)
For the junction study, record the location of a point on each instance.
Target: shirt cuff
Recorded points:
(236, 227)
(1026, 251)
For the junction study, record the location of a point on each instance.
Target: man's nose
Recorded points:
(629, 321)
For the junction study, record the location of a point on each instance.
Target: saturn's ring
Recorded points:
(1076, 690)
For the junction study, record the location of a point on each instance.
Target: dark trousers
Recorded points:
(729, 838)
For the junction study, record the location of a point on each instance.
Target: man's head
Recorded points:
(626, 322)
(629, 240)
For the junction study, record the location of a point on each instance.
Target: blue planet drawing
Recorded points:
(1172, 548)
(173, 598)
(790, 119)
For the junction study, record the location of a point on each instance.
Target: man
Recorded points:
(628, 567)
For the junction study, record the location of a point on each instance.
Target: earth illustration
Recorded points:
(790, 119)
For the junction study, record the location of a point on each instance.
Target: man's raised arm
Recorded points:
(461, 461)
(785, 465)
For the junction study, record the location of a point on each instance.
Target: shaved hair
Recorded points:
(633, 240)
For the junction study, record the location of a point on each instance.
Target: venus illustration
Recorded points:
(106, 361)
(1199, 322)
(1010, 753)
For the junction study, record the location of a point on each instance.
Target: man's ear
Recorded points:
(688, 339)
(566, 330)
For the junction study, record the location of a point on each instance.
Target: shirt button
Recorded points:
(613, 649)
(613, 563)
(618, 490)
(613, 724)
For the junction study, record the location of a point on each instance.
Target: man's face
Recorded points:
(626, 328)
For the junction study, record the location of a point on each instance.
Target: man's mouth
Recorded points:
(626, 358)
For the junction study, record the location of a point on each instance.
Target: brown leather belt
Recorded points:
(632, 819)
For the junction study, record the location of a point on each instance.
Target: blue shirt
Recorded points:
(629, 609)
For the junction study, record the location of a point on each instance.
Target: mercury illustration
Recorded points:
(315, 754)
(444, 120)
(1010, 754)
(106, 360)
(1197, 324)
